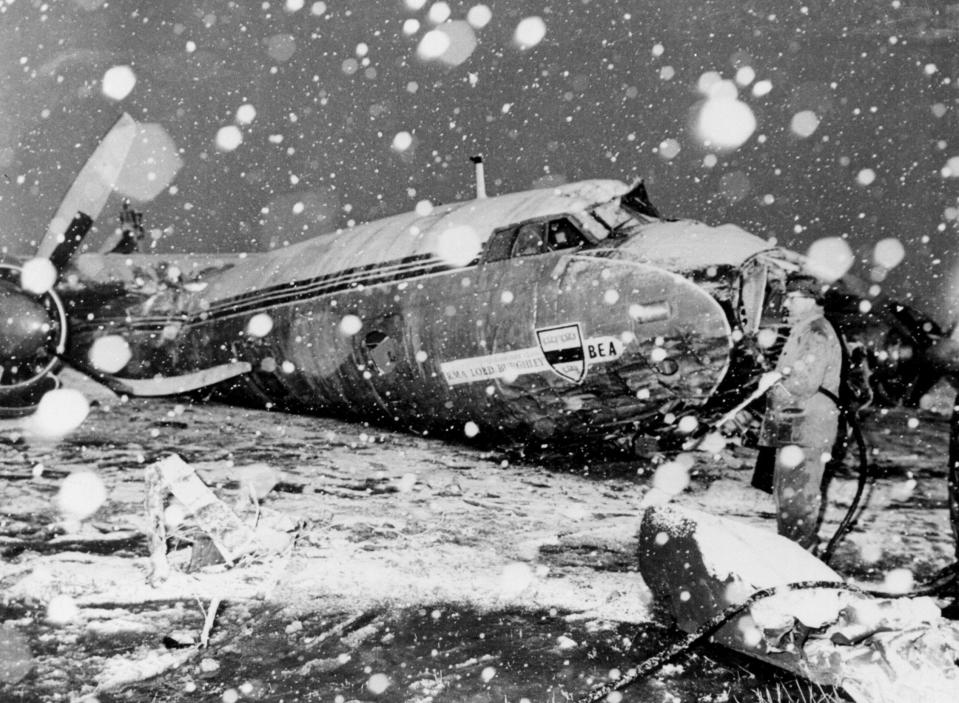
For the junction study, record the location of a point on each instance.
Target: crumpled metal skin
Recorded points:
(799, 414)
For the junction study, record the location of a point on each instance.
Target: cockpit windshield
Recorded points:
(613, 217)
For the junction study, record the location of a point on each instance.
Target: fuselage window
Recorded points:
(529, 240)
(381, 351)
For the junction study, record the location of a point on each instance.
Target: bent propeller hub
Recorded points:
(26, 329)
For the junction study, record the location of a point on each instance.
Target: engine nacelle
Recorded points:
(33, 330)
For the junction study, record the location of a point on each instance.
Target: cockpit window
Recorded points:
(563, 234)
(533, 238)
(529, 240)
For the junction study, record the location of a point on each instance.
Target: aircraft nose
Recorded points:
(659, 333)
(25, 327)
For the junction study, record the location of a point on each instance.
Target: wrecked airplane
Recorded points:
(569, 314)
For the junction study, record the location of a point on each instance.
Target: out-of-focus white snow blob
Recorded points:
(350, 325)
(245, 114)
(745, 75)
(88, 5)
(402, 141)
(611, 296)
(293, 5)
(58, 413)
(281, 47)
(707, 81)
(672, 478)
(151, 164)
(830, 258)
(669, 148)
(761, 88)
(118, 82)
(903, 491)
(751, 634)
(377, 684)
(228, 138)
(865, 177)
(38, 275)
(415, 4)
(514, 579)
(471, 429)
(451, 43)
(479, 16)
(658, 50)
(766, 338)
(62, 610)
(951, 169)
(81, 494)
(898, 581)
(411, 27)
(439, 12)
(405, 483)
(433, 44)
(506, 297)
(529, 32)
(424, 208)
(110, 353)
(889, 253)
(259, 325)
(458, 245)
(804, 123)
(487, 673)
(712, 443)
(687, 424)
(724, 122)
(791, 456)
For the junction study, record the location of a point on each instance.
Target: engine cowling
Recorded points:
(32, 336)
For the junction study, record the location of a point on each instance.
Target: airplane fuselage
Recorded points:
(579, 338)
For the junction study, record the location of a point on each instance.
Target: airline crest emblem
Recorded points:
(563, 349)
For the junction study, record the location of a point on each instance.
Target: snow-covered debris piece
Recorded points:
(230, 535)
(876, 649)
(16, 659)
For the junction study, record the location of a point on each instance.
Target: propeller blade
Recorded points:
(72, 239)
(92, 186)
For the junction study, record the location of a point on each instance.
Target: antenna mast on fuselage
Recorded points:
(480, 176)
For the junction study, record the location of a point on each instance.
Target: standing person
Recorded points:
(801, 419)
(944, 357)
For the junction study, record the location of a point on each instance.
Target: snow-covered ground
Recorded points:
(390, 521)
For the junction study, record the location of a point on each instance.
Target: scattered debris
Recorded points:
(876, 649)
(225, 535)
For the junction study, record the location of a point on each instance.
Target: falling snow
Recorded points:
(827, 129)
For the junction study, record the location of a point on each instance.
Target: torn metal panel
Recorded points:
(232, 537)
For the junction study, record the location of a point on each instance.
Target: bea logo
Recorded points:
(602, 349)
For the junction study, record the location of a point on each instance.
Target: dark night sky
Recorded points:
(608, 83)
